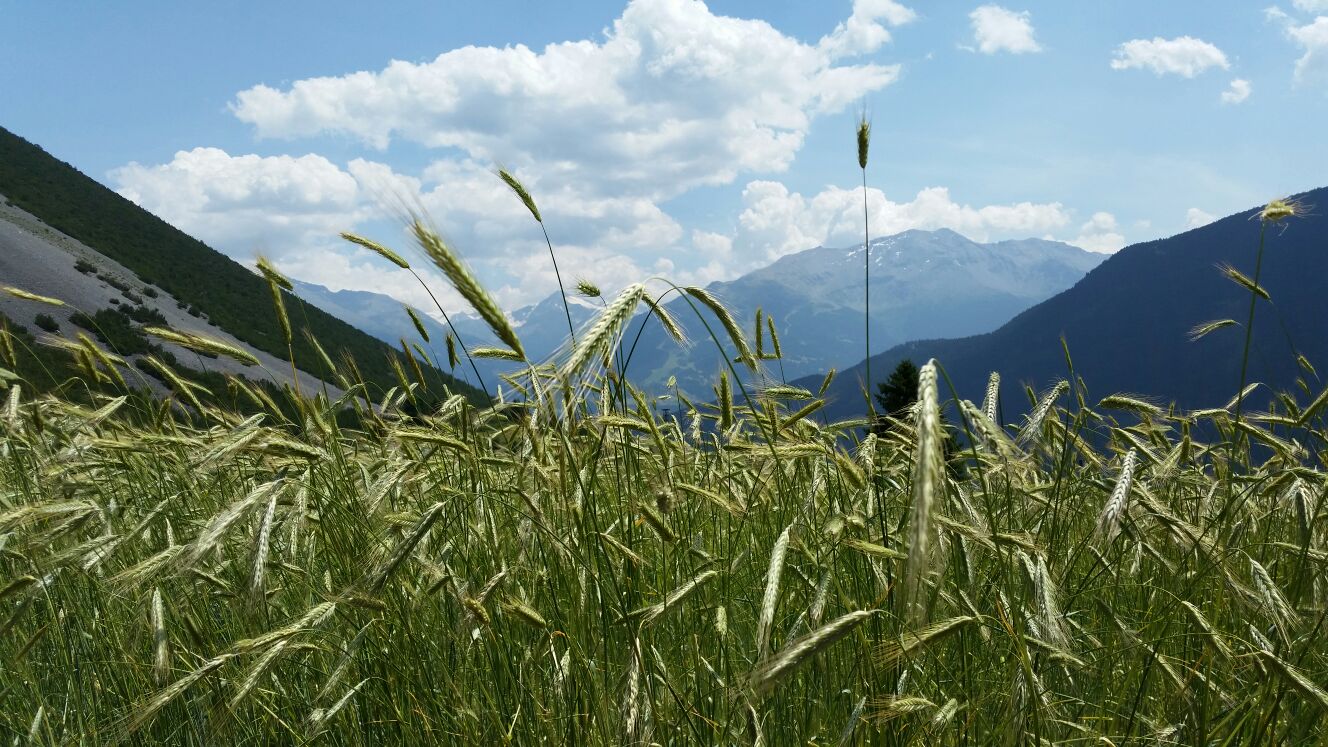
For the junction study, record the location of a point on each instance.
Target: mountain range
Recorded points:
(923, 284)
(1125, 320)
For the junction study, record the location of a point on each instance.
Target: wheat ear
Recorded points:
(771, 670)
(598, 342)
(771, 597)
(1108, 522)
(467, 285)
(928, 488)
(726, 319)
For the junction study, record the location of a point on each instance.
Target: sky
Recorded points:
(667, 138)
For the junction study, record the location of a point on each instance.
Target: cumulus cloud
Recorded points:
(1185, 56)
(1236, 92)
(287, 208)
(1195, 218)
(601, 131)
(1312, 38)
(866, 29)
(997, 29)
(775, 221)
(672, 98)
(244, 202)
(1100, 234)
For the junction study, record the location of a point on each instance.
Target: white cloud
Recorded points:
(997, 29)
(1100, 234)
(601, 131)
(244, 203)
(1195, 218)
(672, 98)
(1311, 6)
(1185, 56)
(289, 209)
(1236, 92)
(865, 30)
(1313, 39)
(776, 222)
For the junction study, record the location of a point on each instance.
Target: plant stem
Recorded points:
(866, 290)
(561, 290)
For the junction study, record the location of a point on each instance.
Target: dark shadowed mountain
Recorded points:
(1127, 323)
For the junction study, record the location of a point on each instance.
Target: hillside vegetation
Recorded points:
(578, 569)
(229, 295)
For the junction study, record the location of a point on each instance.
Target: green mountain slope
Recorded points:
(232, 297)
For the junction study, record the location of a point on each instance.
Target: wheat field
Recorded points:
(580, 566)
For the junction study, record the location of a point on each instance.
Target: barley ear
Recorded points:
(377, 248)
(467, 285)
(771, 597)
(520, 190)
(928, 493)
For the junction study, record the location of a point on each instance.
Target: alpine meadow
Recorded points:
(229, 517)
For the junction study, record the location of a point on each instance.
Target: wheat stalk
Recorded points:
(771, 670)
(599, 341)
(465, 283)
(1108, 522)
(771, 596)
(928, 493)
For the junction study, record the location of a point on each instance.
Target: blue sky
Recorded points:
(669, 137)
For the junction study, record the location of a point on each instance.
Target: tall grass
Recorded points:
(585, 571)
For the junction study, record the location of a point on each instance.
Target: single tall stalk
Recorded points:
(1276, 211)
(521, 192)
(864, 140)
(1249, 325)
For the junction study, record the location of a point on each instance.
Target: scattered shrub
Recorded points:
(145, 315)
(113, 282)
(114, 328)
(47, 322)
